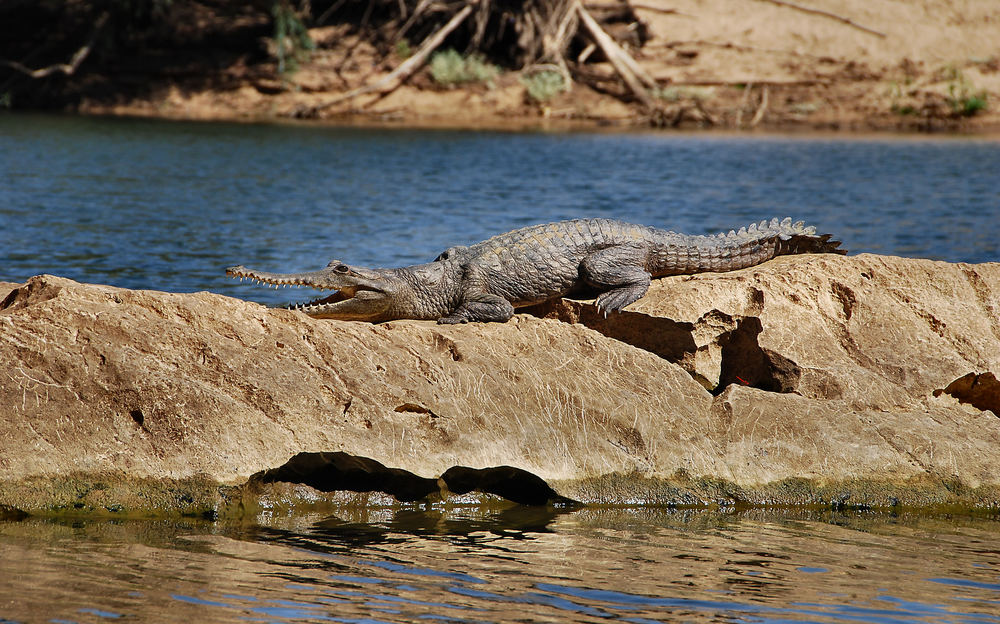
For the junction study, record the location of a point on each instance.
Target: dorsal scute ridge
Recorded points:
(781, 228)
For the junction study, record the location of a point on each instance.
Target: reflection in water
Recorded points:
(461, 565)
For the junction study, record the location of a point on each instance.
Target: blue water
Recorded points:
(639, 566)
(169, 205)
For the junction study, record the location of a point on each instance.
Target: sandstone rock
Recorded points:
(807, 379)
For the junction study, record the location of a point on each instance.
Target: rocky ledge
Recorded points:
(864, 380)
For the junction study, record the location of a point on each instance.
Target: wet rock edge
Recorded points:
(119, 496)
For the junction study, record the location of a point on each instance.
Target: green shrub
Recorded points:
(544, 85)
(973, 104)
(964, 102)
(403, 49)
(962, 96)
(450, 68)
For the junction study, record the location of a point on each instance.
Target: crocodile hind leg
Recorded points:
(619, 272)
(482, 308)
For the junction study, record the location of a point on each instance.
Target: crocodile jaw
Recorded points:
(348, 304)
(361, 295)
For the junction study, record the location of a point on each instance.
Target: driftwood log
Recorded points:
(391, 82)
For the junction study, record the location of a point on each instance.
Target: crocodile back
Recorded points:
(539, 262)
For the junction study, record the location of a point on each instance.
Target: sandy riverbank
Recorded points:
(842, 65)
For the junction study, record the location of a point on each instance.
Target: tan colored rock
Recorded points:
(828, 367)
(873, 330)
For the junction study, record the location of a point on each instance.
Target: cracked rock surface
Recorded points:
(809, 379)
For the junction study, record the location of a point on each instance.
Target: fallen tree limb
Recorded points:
(726, 45)
(741, 83)
(636, 5)
(759, 115)
(74, 62)
(634, 76)
(394, 79)
(839, 18)
(417, 12)
(650, 7)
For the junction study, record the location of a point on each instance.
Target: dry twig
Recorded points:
(634, 76)
(759, 115)
(395, 78)
(839, 18)
(74, 62)
(636, 5)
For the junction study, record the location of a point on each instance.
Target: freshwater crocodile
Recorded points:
(487, 281)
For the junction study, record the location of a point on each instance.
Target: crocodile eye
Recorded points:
(341, 268)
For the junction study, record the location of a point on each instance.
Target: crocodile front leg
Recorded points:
(482, 308)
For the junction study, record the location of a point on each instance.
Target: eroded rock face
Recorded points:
(820, 367)
(876, 331)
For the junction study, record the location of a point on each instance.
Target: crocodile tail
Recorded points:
(797, 238)
(809, 243)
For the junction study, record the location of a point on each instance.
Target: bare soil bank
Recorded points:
(734, 64)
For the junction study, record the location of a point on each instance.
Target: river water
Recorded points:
(168, 206)
(639, 566)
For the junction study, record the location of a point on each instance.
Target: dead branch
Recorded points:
(727, 45)
(636, 5)
(759, 115)
(417, 13)
(74, 62)
(395, 78)
(839, 18)
(633, 75)
(743, 104)
(651, 7)
(739, 83)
